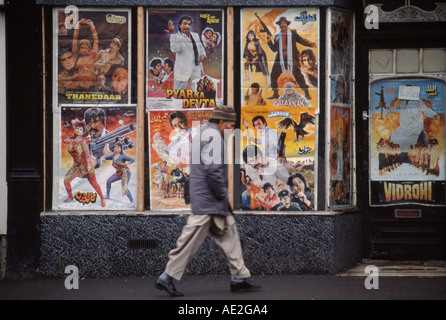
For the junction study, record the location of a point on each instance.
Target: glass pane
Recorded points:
(381, 61)
(434, 60)
(407, 61)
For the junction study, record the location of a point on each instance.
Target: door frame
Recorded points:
(388, 36)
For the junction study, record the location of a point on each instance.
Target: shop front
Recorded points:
(120, 93)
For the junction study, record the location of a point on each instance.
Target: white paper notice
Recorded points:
(409, 93)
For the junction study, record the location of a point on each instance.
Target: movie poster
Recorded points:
(341, 101)
(92, 56)
(277, 158)
(407, 141)
(185, 58)
(95, 163)
(170, 136)
(280, 57)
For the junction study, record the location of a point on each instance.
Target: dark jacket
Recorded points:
(295, 38)
(209, 181)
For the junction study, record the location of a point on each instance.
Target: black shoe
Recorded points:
(243, 285)
(274, 96)
(168, 286)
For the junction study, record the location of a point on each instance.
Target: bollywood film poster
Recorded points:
(341, 101)
(95, 166)
(170, 136)
(185, 58)
(277, 158)
(92, 56)
(280, 57)
(407, 141)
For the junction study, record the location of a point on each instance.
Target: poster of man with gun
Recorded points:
(271, 54)
(97, 149)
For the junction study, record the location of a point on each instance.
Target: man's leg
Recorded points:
(276, 71)
(225, 235)
(193, 235)
(300, 79)
(224, 232)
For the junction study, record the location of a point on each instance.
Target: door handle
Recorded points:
(365, 115)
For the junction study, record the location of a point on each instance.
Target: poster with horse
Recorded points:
(171, 133)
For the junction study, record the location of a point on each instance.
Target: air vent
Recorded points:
(142, 244)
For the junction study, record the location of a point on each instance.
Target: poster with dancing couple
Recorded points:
(185, 58)
(407, 141)
(280, 56)
(170, 137)
(277, 152)
(91, 56)
(340, 101)
(95, 158)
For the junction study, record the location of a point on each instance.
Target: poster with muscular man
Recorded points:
(92, 56)
(95, 157)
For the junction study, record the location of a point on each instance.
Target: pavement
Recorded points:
(388, 281)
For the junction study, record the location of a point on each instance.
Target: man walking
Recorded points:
(211, 212)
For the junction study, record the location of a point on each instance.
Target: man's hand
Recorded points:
(158, 137)
(170, 27)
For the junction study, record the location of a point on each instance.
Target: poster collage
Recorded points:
(94, 123)
(185, 74)
(96, 137)
(280, 88)
(341, 102)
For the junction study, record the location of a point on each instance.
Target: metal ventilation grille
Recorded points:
(142, 244)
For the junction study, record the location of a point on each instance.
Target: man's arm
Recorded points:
(302, 41)
(272, 45)
(217, 180)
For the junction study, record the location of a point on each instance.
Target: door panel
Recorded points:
(406, 147)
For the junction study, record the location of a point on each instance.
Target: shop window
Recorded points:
(402, 61)
(340, 106)
(92, 76)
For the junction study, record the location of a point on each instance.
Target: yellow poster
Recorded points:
(279, 56)
(277, 158)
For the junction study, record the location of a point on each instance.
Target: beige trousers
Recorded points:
(224, 233)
